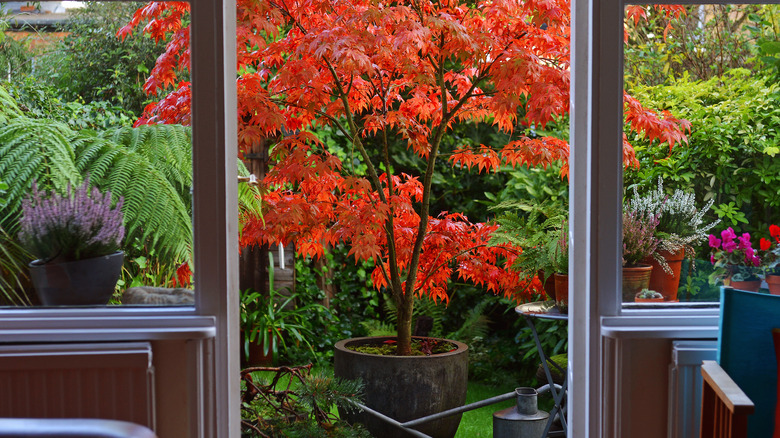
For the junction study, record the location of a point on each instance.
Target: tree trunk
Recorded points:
(405, 308)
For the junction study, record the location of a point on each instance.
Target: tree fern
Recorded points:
(168, 147)
(150, 166)
(155, 211)
(33, 150)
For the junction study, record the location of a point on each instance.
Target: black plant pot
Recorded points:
(79, 283)
(406, 387)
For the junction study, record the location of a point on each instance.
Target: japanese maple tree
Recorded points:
(379, 72)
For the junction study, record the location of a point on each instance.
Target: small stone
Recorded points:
(158, 296)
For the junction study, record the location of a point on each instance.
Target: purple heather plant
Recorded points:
(78, 225)
(733, 255)
(639, 241)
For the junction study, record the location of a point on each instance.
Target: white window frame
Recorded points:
(214, 317)
(595, 185)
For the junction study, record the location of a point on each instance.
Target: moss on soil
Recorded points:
(420, 347)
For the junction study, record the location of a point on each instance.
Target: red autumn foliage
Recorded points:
(377, 72)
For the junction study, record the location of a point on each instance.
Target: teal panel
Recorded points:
(746, 351)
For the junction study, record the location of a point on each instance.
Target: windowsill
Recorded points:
(82, 324)
(677, 321)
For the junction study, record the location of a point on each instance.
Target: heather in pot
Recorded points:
(78, 225)
(76, 237)
(680, 222)
(639, 241)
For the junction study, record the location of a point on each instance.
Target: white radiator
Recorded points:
(101, 380)
(685, 384)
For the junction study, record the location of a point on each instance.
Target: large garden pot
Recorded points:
(662, 282)
(79, 283)
(635, 278)
(405, 387)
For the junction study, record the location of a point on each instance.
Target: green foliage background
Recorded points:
(91, 64)
(733, 146)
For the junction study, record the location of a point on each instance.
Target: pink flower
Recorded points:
(712, 259)
(714, 241)
(744, 241)
(729, 246)
(728, 234)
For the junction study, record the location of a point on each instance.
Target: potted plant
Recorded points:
(266, 320)
(541, 230)
(639, 242)
(770, 259)
(76, 238)
(735, 261)
(680, 229)
(561, 264)
(648, 296)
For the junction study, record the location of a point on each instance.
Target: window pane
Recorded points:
(79, 113)
(701, 134)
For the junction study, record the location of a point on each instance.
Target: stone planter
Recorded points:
(85, 282)
(405, 387)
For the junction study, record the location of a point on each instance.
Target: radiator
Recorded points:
(101, 380)
(685, 386)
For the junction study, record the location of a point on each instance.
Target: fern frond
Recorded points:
(168, 147)
(8, 107)
(249, 197)
(13, 259)
(154, 210)
(34, 150)
(476, 324)
(423, 306)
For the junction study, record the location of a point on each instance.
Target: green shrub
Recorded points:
(731, 155)
(93, 64)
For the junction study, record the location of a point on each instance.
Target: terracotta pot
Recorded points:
(660, 281)
(562, 292)
(635, 278)
(405, 387)
(773, 281)
(549, 285)
(648, 300)
(750, 286)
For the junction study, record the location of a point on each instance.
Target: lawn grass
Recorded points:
(479, 422)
